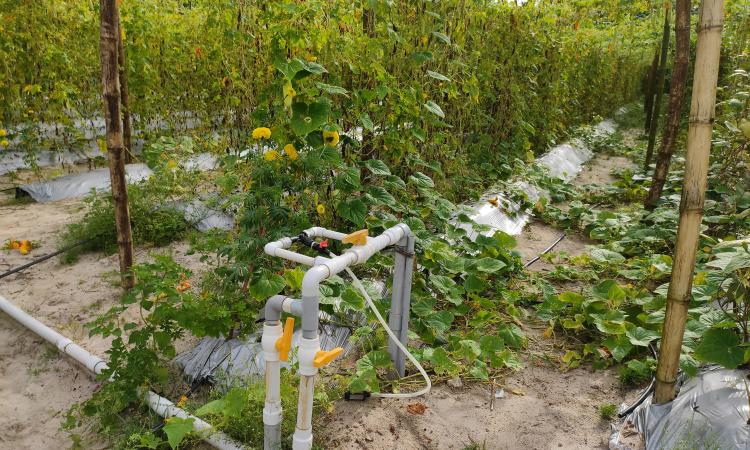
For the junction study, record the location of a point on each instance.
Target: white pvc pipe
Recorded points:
(303, 438)
(325, 232)
(159, 405)
(279, 249)
(272, 411)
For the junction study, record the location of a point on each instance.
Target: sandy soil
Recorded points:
(37, 385)
(543, 407)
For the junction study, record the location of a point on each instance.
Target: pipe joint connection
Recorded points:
(308, 348)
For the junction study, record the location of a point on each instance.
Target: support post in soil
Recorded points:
(659, 93)
(676, 96)
(693, 191)
(108, 39)
(648, 103)
(122, 64)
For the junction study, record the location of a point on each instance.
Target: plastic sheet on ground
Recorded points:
(11, 161)
(564, 161)
(232, 362)
(710, 411)
(205, 218)
(80, 184)
(86, 132)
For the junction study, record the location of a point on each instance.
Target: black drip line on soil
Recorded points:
(546, 250)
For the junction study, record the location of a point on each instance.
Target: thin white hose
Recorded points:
(398, 343)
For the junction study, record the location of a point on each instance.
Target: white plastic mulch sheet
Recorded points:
(495, 211)
(232, 362)
(711, 411)
(204, 218)
(11, 161)
(86, 132)
(80, 184)
(201, 216)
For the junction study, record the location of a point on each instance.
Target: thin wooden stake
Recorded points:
(659, 93)
(693, 191)
(677, 87)
(648, 103)
(108, 38)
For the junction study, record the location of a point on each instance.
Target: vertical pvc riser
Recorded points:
(396, 313)
(272, 433)
(272, 437)
(406, 296)
(302, 439)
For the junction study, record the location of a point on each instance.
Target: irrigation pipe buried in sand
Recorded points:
(158, 404)
(546, 250)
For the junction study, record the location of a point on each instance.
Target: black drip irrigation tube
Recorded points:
(546, 250)
(45, 257)
(644, 395)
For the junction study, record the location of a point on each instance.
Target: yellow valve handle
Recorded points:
(284, 343)
(356, 238)
(323, 357)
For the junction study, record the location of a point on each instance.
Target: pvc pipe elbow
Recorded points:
(283, 243)
(312, 279)
(274, 306)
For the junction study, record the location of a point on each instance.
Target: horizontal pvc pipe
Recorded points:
(325, 232)
(158, 404)
(279, 249)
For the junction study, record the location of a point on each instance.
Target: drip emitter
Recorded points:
(277, 340)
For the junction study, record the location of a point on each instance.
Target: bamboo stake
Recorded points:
(122, 64)
(659, 93)
(648, 103)
(693, 191)
(677, 87)
(108, 37)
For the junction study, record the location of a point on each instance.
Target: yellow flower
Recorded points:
(3, 132)
(25, 247)
(321, 208)
(4, 143)
(262, 133)
(311, 58)
(423, 40)
(291, 152)
(331, 138)
(271, 155)
(182, 401)
(171, 164)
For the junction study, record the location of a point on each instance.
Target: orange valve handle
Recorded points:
(284, 343)
(323, 357)
(356, 238)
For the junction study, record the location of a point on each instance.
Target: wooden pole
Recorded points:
(676, 96)
(108, 38)
(693, 191)
(659, 90)
(648, 103)
(127, 127)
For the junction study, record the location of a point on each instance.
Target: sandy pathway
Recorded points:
(37, 384)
